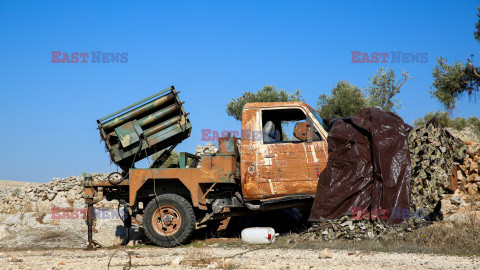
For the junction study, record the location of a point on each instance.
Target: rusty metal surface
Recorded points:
(287, 105)
(166, 220)
(228, 145)
(92, 244)
(214, 169)
(275, 170)
(454, 179)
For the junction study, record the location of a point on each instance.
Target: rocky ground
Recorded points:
(247, 257)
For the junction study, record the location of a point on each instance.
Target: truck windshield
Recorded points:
(320, 120)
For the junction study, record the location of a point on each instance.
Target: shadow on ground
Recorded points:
(284, 221)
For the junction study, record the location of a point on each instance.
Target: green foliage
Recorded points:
(476, 34)
(444, 120)
(383, 88)
(345, 100)
(450, 82)
(174, 158)
(267, 94)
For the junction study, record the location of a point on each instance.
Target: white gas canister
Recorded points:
(259, 235)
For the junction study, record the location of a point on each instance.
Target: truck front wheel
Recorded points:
(169, 220)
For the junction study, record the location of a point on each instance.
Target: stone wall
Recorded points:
(53, 215)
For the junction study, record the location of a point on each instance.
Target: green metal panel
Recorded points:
(129, 133)
(184, 157)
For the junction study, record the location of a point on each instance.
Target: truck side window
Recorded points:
(278, 124)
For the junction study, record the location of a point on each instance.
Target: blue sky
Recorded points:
(212, 51)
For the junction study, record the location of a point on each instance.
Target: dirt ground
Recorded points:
(220, 256)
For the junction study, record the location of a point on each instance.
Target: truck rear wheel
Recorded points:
(169, 220)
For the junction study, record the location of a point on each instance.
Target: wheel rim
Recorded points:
(166, 220)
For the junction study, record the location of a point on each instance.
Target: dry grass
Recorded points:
(445, 237)
(450, 238)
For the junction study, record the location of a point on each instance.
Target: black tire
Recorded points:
(174, 208)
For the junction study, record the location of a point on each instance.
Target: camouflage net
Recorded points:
(354, 229)
(433, 152)
(358, 229)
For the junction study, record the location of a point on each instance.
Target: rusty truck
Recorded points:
(266, 168)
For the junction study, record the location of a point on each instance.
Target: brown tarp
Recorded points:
(368, 168)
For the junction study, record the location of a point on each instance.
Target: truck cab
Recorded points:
(283, 150)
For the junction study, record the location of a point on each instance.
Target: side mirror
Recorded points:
(300, 131)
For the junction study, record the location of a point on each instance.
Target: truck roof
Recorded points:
(275, 104)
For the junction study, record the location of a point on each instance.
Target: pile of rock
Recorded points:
(433, 153)
(460, 207)
(468, 172)
(208, 149)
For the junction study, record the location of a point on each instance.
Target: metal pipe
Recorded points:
(91, 243)
(117, 121)
(205, 195)
(165, 124)
(158, 115)
(171, 88)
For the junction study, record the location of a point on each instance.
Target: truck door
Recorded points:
(318, 150)
(285, 164)
(318, 145)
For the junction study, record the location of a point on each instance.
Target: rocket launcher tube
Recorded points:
(120, 120)
(158, 115)
(162, 126)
